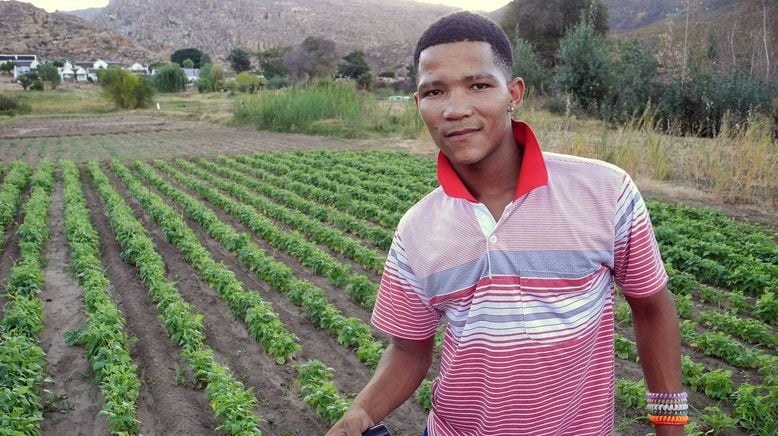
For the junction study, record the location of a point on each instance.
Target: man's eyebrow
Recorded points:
(474, 77)
(482, 76)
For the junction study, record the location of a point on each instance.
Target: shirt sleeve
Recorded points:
(402, 309)
(638, 267)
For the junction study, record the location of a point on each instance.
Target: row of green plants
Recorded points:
(358, 208)
(350, 332)
(358, 286)
(348, 184)
(764, 308)
(756, 414)
(409, 180)
(103, 335)
(13, 185)
(722, 346)
(315, 381)
(746, 329)
(713, 226)
(380, 237)
(336, 240)
(262, 321)
(264, 325)
(22, 361)
(232, 404)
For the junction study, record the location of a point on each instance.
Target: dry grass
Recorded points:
(735, 167)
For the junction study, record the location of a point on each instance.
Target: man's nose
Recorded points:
(458, 105)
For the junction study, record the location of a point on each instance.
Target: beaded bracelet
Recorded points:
(666, 408)
(664, 396)
(668, 419)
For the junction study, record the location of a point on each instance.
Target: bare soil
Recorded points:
(166, 406)
(74, 400)
(169, 402)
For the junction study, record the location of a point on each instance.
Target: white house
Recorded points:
(138, 69)
(80, 74)
(191, 74)
(24, 67)
(66, 73)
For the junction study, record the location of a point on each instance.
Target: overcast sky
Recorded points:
(69, 5)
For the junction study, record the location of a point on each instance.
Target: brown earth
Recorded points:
(169, 403)
(74, 401)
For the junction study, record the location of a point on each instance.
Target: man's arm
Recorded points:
(659, 346)
(403, 366)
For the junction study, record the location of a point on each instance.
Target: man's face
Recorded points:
(463, 99)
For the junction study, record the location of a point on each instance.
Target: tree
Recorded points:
(634, 71)
(543, 23)
(30, 80)
(271, 61)
(7, 67)
(198, 57)
(124, 89)
(249, 82)
(239, 60)
(170, 78)
(526, 65)
(583, 68)
(355, 65)
(188, 63)
(49, 74)
(315, 57)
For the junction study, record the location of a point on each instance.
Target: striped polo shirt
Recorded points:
(528, 299)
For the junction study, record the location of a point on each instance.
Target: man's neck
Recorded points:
(493, 182)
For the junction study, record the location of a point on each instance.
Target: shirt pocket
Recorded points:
(561, 307)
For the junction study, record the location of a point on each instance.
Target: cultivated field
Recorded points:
(205, 279)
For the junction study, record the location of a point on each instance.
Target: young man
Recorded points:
(519, 250)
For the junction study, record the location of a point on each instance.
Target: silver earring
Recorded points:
(511, 109)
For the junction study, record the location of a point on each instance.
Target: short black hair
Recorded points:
(466, 26)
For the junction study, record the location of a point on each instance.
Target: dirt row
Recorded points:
(169, 401)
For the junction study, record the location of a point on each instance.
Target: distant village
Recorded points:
(81, 71)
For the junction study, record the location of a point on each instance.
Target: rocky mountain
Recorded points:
(386, 31)
(27, 29)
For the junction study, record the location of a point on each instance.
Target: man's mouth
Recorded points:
(460, 133)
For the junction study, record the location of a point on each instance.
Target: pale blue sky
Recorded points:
(69, 5)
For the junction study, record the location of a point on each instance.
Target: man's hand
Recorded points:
(402, 367)
(353, 423)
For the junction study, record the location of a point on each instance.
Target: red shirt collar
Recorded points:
(532, 173)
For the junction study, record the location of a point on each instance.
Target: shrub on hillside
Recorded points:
(584, 67)
(706, 101)
(126, 90)
(11, 105)
(526, 65)
(633, 83)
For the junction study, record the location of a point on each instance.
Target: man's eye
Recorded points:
(481, 86)
(432, 93)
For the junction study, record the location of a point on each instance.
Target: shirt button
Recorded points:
(493, 239)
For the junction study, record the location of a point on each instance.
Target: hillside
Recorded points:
(386, 31)
(27, 29)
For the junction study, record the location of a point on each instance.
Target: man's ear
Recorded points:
(416, 99)
(516, 90)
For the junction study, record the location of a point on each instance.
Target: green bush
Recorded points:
(11, 105)
(709, 102)
(124, 89)
(249, 82)
(584, 67)
(633, 82)
(277, 82)
(170, 78)
(322, 107)
(526, 65)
